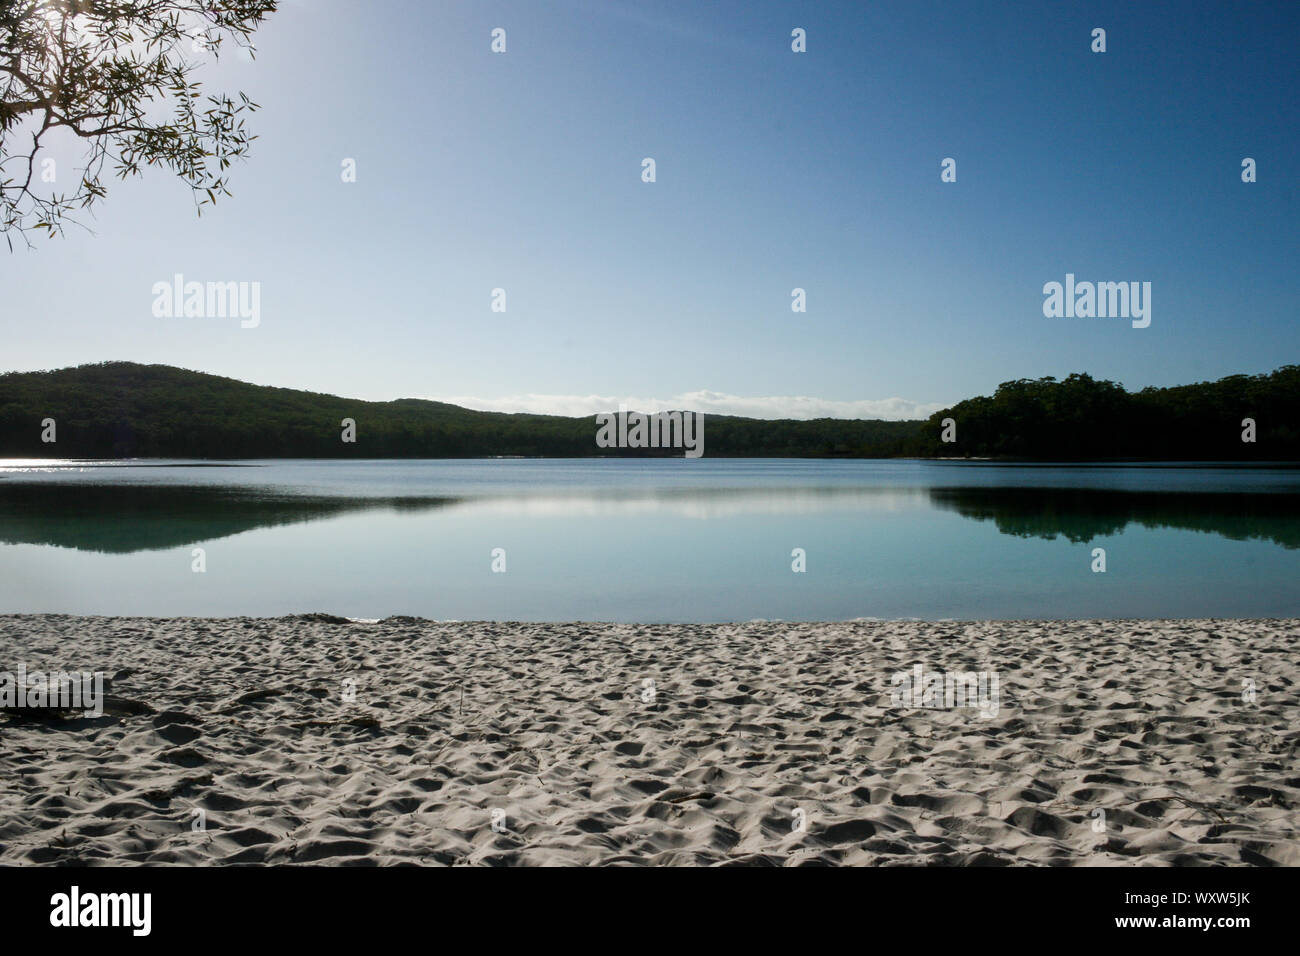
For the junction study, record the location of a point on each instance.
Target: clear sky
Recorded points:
(774, 170)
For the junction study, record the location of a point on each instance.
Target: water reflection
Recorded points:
(124, 518)
(1083, 514)
(121, 519)
(715, 543)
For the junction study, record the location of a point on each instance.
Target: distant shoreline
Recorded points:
(115, 410)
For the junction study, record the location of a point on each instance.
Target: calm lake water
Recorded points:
(649, 540)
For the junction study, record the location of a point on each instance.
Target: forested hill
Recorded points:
(121, 409)
(1081, 418)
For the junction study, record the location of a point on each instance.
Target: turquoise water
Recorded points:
(649, 540)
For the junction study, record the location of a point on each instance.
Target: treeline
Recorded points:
(1082, 418)
(125, 410)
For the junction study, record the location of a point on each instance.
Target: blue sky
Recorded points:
(775, 170)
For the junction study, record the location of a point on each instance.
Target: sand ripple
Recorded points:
(761, 743)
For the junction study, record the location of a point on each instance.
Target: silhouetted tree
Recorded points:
(102, 70)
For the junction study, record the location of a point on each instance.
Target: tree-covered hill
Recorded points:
(1082, 418)
(122, 409)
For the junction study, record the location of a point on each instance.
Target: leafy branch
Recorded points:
(118, 75)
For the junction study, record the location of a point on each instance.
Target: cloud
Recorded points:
(716, 403)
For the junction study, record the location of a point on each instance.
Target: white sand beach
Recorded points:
(1113, 743)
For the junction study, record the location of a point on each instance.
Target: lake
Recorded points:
(649, 540)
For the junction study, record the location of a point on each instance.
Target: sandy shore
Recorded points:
(1112, 743)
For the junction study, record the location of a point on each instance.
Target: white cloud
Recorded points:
(716, 403)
